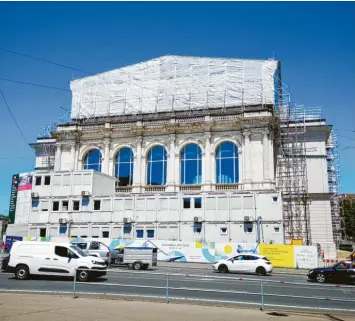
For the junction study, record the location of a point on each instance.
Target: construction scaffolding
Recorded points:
(291, 168)
(333, 169)
(190, 85)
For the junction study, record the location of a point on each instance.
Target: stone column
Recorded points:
(78, 162)
(207, 163)
(137, 167)
(271, 157)
(170, 171)
(72, 156)
(58, 156)
(265, 156)
(105, 165)
(247, 159)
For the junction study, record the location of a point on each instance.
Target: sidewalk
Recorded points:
(208, 266)
(19, 307)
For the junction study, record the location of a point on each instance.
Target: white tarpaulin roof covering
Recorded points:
(174, 83)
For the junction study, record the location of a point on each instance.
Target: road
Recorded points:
(281, 291)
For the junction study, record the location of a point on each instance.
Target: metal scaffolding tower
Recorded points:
(291, 169)
(333, 169)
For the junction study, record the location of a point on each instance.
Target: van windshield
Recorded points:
(76, 249)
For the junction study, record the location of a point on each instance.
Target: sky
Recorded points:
(315, 42)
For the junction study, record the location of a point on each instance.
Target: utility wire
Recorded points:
(46, 61)
(13, 117)
(33, 84)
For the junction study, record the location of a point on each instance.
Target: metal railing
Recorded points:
(261, 295)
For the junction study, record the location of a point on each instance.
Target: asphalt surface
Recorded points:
(280, 291)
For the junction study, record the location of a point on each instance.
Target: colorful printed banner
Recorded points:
(207, 252)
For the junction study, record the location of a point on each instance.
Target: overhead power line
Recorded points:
(33, 84)
(13, 117)
(46, 61)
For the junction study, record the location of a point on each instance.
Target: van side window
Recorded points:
(61, 251)
(81, 246)
(95, 246)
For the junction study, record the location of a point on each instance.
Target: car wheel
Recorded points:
(145, 266)
(137, 265)
(82, 276)
(223, 268)
(22, 272)
(261, 271)
(320, 277)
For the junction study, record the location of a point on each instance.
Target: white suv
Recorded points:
(248, 263)
(47, 258)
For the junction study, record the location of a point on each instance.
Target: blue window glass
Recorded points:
(227, 164)
(124, 166)
(191, 165)
(93, 160)
(156, 166)
(139, 234)
(150, 234)
(197, 227)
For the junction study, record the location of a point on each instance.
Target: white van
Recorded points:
(47, 258)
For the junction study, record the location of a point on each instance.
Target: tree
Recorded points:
(348, 216)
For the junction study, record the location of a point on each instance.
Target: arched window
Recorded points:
(227, 164)
(191, 164)
(156, 166)
(93, 160)
(124, 166)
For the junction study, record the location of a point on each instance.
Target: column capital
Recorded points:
(265, 133)
(139, 140)
(172, 138)
(246, 134)
(208, 135)
(107, 141)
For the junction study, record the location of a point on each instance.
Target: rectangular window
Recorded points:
(97, 205)
(105, 234)
(47, 180)
(222, 203)
(66, 180)
(87, 179)
(35, 204)
(139, 234)
(44, 206)
(38, 180)
(127, 229)
(276, 229)
(106, 205)
(249, 229)
(211, 203)
(55, 206)
(85, 204)
(187, 202)
(57, 180)
(128, 204)
(198, 227)
(248, 202)
(65, 205)
(224, 231)
(77, 179)
(150, 234)
(42, 232)
(76, 205)
(275, 199)
(163, 204)
(198, 202)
